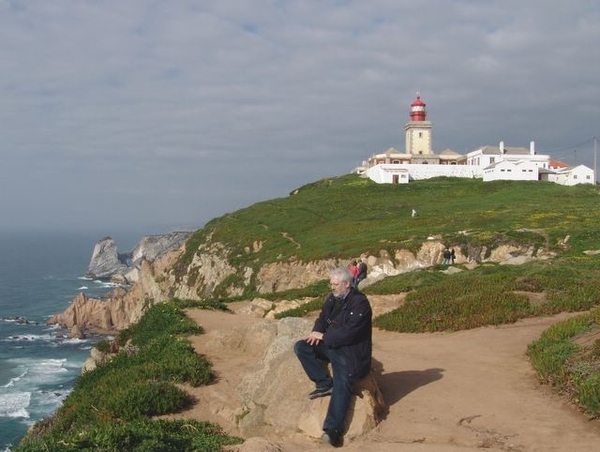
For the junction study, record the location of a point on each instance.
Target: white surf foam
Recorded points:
(15, 404)
(14, 380)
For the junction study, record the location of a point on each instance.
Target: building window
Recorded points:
(492, 159)
(420, 134)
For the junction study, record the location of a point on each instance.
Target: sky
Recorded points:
(154, 116)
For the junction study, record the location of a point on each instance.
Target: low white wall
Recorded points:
(384, 173)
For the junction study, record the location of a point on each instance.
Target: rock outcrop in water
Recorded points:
(108, 263)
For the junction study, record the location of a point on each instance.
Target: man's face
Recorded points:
(338, 288)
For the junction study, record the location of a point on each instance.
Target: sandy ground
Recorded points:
(464, 391)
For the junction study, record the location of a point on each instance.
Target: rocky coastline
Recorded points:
(146, 275)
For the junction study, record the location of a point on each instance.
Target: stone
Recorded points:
(275, 394)
(76, 332)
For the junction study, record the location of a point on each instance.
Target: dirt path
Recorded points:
(465, 391)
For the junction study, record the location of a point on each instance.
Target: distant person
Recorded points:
(362, 272)
(341, 336)
(353, 267)
(446, 255)
(452, 255)
(413, 213)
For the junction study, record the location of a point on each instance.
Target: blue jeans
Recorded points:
(314, 359)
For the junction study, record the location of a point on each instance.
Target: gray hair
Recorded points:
(342, 273)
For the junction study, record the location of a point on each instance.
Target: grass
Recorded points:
(112, 407)
(487, 295)
(565, 360)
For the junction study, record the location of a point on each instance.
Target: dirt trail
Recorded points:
(464, 391)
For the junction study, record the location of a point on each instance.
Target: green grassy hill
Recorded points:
(349, 215)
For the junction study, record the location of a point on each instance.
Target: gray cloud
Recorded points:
(154, 115)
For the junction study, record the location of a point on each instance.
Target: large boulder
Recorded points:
(274, 395)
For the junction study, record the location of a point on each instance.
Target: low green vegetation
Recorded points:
(567, 356)
(112, 407)
(488, 295)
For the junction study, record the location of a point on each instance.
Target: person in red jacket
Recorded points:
(342, 337)
(353, 267)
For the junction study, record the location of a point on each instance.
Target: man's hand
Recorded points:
(314, 338)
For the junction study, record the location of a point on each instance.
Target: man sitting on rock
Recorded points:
(341, 336)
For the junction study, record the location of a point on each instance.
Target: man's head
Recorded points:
(340, 280)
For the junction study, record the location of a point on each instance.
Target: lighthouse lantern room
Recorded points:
(418, 130)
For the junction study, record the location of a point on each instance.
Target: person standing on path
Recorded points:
(342, 337)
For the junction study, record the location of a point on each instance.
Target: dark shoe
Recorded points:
(332, 437)
(320, 392)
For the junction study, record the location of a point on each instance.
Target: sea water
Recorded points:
(39, 276)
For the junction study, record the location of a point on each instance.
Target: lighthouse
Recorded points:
(417, 110)
(418, 130)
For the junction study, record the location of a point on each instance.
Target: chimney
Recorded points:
(532, 147)
(502, 147)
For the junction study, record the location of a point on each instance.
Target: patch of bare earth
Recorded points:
(470, 390)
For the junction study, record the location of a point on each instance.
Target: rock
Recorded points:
(76, 332)
(108, 263)
(89, 365)
(151, 247)
(105, 259)
(98, 316)
(275, 394)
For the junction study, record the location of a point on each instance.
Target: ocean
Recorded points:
(39, 276)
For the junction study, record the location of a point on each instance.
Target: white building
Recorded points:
(509, 170)
(488, 162)
(569, 176)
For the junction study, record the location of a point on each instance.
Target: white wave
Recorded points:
(41, 371)
(15, 404)
(82, 288)
(46, 402)
(85, 278)
(107, 284)
(30, 338)
(74, 340)
(13, 380)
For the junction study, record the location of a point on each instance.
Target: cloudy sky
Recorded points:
(155, 115)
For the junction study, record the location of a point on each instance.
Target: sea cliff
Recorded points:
(159, 277)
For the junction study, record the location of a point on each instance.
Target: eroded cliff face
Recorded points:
(210, 270)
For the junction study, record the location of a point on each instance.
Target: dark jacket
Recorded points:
(350, 331)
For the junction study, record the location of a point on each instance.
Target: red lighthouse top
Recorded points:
(417, 110)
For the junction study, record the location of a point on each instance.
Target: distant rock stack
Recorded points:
(108, 263)
(105, 260)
